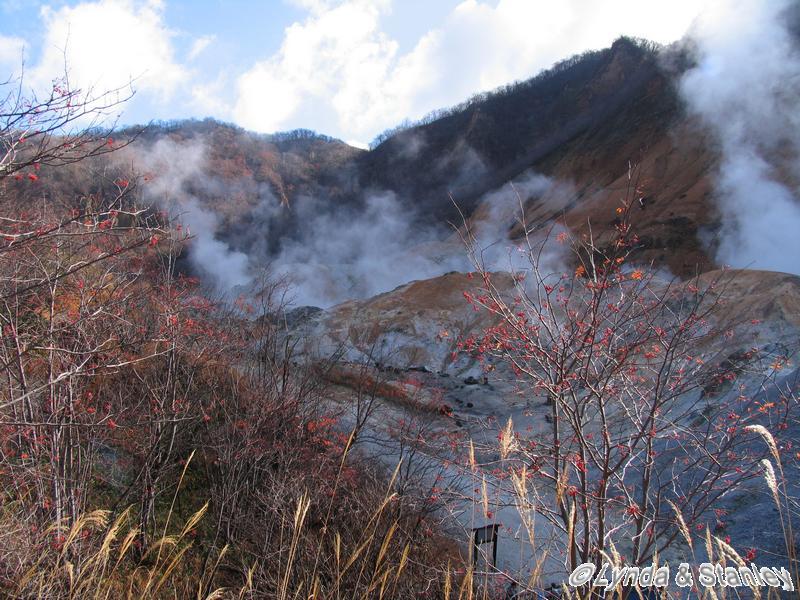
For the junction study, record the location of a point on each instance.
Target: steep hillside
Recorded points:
(494, 137)
(241, 170)
(586, 122)
(292, 162)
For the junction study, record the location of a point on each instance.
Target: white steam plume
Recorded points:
(502, 209)
(746, 88)
(173, 166)
(338, 252)
(356, 254)
(344, 255)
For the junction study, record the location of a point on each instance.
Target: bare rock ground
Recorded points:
(406, 338)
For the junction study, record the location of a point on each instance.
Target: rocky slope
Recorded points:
(405, 339)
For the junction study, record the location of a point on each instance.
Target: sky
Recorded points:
(345, 68)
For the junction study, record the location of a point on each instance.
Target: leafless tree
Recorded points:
(639, 444)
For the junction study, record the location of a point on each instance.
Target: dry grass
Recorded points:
(97, 557)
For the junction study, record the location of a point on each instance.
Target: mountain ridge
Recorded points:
(588, 122)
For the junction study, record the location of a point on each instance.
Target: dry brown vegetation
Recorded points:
(157, 443)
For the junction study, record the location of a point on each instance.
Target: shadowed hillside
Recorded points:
(494, 137)
(585, 121)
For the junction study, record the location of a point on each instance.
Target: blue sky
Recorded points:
(347, 68)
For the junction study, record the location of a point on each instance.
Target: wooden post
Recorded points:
(484, 535)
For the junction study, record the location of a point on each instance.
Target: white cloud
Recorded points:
(208, 96)
(338, 71)
(337, 59)
(199, 45)
(314, 6)
(109, 43)
(357, 144)
(483, 45)
(11, 55)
